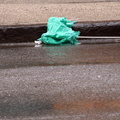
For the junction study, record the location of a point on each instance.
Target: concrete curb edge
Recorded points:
(29, 33)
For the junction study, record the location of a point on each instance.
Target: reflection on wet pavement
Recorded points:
(28, 55)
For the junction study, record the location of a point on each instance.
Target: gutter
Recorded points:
(29, 33)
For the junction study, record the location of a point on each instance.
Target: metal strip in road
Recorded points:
(99, 37)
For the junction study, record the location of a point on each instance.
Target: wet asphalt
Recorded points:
(70, 82)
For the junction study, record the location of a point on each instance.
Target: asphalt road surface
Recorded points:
(71, 82)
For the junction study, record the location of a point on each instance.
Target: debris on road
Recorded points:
(59, 32)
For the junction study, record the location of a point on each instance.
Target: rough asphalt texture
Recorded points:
(13, 13)
(60, 82)
(61, 92)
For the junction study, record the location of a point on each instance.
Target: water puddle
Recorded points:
(21, 55)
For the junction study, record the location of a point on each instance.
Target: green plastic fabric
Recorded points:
(59, 31)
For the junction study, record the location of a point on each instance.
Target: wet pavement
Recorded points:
(70, 82)
(26, 55)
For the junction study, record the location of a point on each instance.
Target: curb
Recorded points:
(29, 33)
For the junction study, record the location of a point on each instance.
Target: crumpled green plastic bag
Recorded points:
(59, 31)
